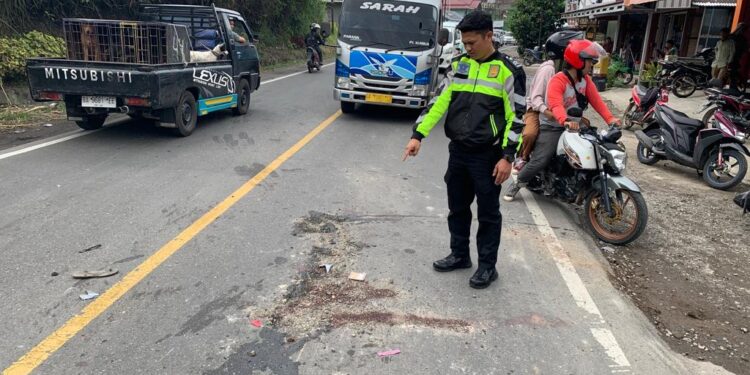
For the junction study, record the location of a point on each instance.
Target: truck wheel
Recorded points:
(185, 115)
(92, 122)
(347, 107)
(243, 100)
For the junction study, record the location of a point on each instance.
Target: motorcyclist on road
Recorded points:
(315, 40)
(572, 87)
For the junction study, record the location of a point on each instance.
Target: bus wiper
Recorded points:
(372, 44)
(408, 48)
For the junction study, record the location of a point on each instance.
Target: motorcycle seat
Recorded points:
(680, 118)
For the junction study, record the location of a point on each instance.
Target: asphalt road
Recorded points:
(188, 285)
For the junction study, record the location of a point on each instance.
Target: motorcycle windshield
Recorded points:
(389, 25)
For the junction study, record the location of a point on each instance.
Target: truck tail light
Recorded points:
(137, 102)
(46, 95)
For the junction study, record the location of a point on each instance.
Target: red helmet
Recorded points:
(582, 49)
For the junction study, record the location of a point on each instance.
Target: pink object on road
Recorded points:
(256, 323)
(389, 353)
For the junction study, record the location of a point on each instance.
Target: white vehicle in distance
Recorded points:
(508, 38)
(453, 48)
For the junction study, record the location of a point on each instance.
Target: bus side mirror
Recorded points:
(443, 36)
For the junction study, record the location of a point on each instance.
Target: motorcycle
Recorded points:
(716, 154)
(533, 56)
(686, 77)
(313, 60)
(640, 111)
(734, 106)
(587, 173)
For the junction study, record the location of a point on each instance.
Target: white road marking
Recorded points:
(80, 133)
(576, 287)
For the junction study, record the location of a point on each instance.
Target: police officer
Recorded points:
(477, 100)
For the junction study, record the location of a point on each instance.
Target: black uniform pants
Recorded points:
(469, 175)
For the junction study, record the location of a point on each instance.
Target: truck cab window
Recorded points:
(238, 31)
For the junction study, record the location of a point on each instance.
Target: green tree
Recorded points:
(532, 21)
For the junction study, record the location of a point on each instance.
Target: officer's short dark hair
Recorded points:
(477, 21)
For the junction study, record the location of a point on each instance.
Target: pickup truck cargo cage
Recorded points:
(134, 42)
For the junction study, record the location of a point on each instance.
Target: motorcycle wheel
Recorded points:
(627, 121)
(708, 117)
(646, 156)
(729, 174)
(684, 86)
(625, 77)
(628, 223)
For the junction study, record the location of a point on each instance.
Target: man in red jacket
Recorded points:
(572, 87)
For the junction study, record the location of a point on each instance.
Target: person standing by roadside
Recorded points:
(724, 55)
(476, 99)
(535, 101)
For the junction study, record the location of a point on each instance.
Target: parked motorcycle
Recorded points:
(587, 173)
(533, 56)
(686, 77)
(734, 105)
(714, 153)
(640, 111)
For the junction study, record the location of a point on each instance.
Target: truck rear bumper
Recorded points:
(402, 101)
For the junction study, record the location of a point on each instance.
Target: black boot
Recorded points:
(483, 278)
(451, 263)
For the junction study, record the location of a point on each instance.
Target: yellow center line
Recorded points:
(37, 355)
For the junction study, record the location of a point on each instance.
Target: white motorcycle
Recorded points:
(587, 173)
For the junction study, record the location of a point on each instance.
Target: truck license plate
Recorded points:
(379, 98)
(98, 101)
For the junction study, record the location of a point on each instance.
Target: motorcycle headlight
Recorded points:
(344, 83)
(419, 90)
(620, 160)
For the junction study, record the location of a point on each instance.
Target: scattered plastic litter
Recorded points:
(389, 353)
(48, 125)
(256, 323)
(94, 274)
(327, 267)
(89, 295)
(357, 276)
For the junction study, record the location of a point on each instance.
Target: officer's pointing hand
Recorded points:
(501, 172)
(412, 149)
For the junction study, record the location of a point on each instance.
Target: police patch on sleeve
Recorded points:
(463, 68)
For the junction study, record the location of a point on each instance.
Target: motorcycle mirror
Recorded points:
(443, 36)
(325, 34)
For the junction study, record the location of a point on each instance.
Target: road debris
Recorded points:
(48, 125)
(327, 267)
(389, 353)
(55, 274)
(94, 274)
(608, 250)
(357, 276)
(89, 295)
(95, 247)
(252, 353)
(256, 323)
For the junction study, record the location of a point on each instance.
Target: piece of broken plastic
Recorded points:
(89, 295)
(357, 276)
(256, 323)
(94, 274)
(327, 267)
(389, 353)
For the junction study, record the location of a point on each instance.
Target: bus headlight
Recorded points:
(420, 90)
(344, 83)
